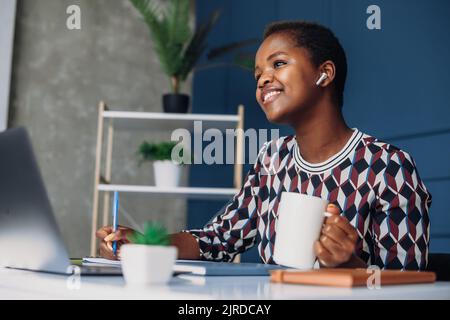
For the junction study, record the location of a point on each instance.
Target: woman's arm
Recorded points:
(229, 233)
(186, 244)
(400, 224)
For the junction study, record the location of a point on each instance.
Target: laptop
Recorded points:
(29, 235)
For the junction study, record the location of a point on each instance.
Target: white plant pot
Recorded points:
(167, 173)
(145, 264)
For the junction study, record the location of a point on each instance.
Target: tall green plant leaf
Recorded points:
(231, 47)
(158, 24)
(197, 44)
(176, 46)
(178, 22)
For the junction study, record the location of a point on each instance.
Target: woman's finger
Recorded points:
(339, 236)
(333, 247)
(344, 224)
(105, 252)
(333, 209)
(103, 232)
(339, 254)
(115, 236)
(322, 254)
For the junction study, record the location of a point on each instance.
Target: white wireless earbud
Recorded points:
(323, 76)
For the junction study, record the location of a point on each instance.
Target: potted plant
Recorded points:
(167, 171)
(148, 258)
(177, 47)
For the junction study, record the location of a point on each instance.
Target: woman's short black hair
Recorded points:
(321, 44)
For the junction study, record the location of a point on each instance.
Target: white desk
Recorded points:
(15, 284)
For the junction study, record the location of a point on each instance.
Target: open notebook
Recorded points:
(204, 268)
(89, 261)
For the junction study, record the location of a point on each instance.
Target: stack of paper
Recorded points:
(88, 261)
(202, 268)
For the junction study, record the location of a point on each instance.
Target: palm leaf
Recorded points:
(197, 45)
(178, 32)
(220, 51)
(166, 51)
(178, 22)
(245, 61)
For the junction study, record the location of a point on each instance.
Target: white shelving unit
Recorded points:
(151, 121)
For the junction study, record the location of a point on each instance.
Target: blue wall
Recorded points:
(397, 86)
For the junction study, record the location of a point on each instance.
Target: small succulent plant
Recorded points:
(155, 151)
(161, 151)
(154, 234)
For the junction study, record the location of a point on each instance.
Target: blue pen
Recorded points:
(115, 218)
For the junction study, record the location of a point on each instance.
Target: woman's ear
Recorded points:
(327, 73)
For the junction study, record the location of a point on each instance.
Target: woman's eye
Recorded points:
(257, 77)
(278, 63)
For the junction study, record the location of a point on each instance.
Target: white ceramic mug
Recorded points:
(300, 220)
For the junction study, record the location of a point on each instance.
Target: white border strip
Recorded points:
(7, 17)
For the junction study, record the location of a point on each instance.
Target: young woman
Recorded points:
(378, 201)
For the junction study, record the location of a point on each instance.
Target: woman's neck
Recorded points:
(322, 133)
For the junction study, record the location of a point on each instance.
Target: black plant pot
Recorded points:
(175, 103)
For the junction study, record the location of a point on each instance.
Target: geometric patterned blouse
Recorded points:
(376, 186)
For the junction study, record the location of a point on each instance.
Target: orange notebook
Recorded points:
(350, 277)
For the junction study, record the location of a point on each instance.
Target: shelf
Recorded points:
(169, 121)
(115, 119)
(189, 192)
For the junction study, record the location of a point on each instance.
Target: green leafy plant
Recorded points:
(157, 151)
(178, 48)
(154, 234)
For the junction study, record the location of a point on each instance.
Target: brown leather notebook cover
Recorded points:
(349, 277)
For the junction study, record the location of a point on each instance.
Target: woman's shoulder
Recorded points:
(384, 150)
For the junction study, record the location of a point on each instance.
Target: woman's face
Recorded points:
(285, 78)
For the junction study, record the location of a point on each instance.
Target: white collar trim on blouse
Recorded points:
(331, 162)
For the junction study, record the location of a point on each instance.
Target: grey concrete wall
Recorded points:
(59, 76)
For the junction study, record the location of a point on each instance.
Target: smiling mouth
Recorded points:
(271, 96)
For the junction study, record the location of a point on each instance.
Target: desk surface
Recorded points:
(15, 284)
